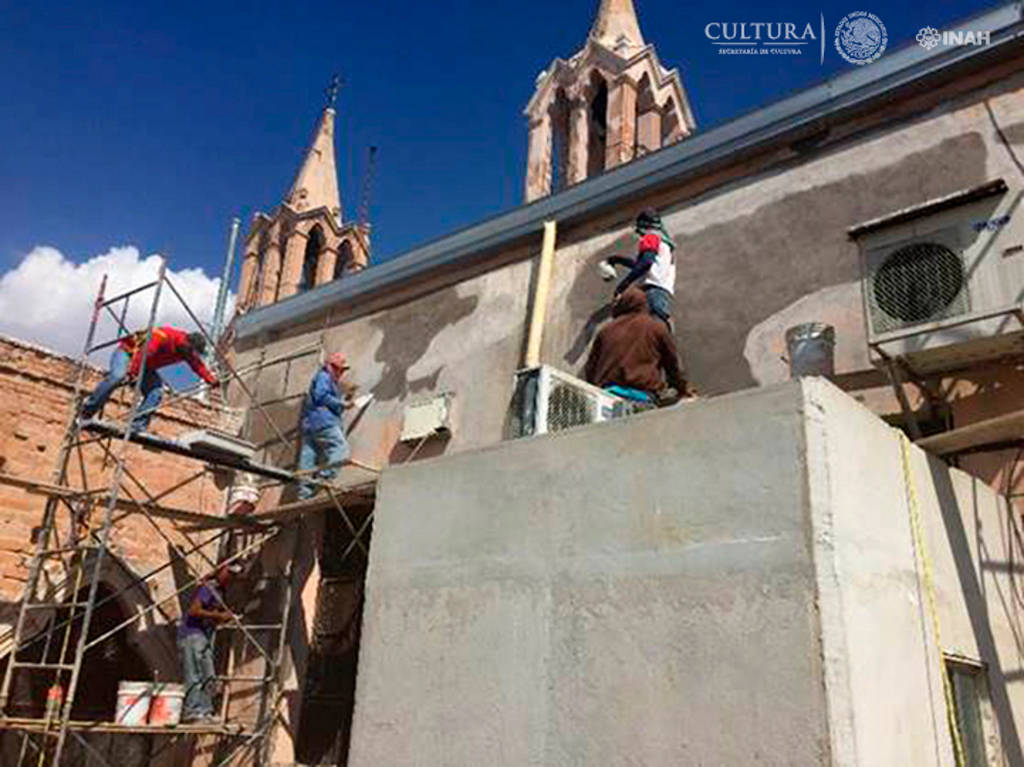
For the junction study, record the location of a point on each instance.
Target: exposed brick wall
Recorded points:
(36, 389)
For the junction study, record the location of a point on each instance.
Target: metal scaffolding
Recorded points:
(75, 539)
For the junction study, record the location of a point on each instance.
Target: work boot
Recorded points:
(667, 396)
(201, 718)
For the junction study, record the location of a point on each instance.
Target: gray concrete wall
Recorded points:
(640, 592)
(759, 252)
(728, 582)
(882, 658)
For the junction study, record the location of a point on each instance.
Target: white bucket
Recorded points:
(242, 499)
(133, 699)
(168, 699)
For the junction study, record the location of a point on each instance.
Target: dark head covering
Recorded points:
(198, 342)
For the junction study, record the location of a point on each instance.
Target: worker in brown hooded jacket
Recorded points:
(630, 352)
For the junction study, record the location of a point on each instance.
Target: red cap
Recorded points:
(338, 361)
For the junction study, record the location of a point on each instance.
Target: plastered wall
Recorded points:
(882, 656)
(762, 246)
(724, 582)
(640, 592)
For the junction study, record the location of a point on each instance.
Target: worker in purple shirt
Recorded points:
(195, 645)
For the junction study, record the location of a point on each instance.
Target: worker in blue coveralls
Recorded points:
(323, 430)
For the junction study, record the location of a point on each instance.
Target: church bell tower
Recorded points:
(611, 103)
(304, 242)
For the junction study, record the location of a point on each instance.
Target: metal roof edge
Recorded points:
(852, 88)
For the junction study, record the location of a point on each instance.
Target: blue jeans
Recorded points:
(659, 303)
(327, 448)
(152, 391)
(196, 654)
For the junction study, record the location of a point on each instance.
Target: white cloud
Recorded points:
(47, 299)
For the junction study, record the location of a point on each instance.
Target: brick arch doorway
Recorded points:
(132, 653)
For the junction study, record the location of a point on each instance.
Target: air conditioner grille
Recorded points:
(568, 406)
(921, 282)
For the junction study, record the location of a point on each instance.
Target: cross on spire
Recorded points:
(332, 90)
(316, 185)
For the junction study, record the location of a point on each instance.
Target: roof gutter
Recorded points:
(808, 108)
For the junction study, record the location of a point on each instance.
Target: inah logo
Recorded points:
(861, 38)
(929, 37)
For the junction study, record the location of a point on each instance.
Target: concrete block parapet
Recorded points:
(728, 582)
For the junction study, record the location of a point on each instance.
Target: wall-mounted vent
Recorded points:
(430, 418)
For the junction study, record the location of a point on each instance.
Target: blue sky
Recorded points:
(151, 124)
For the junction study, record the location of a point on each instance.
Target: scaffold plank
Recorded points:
(206, 728)
(1002, 432)
(356, 484)
(196, 519)
(152, 441)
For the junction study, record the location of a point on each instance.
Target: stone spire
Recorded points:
(616, 26)
(595, 111)
(316, 185)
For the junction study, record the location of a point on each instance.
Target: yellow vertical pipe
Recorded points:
(540, 294)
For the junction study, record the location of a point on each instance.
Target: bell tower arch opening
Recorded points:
(598, 148)
(311, 258)
(559, 116)
(648, 123)
(345, 260)
(670, 126)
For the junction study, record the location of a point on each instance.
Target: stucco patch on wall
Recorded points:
(838, 305)
(407, 331)
(500, 318)
(587, 298)
(735, 274)
(863, 155)
(1014, 133)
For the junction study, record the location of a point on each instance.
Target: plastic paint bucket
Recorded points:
(133, 699)
(242, 499)
(167, 702)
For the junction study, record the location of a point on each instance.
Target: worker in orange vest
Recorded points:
(167, 346)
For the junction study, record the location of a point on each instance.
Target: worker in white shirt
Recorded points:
(654, 267)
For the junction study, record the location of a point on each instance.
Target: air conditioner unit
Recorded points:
(547, 400)
(942, 283)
